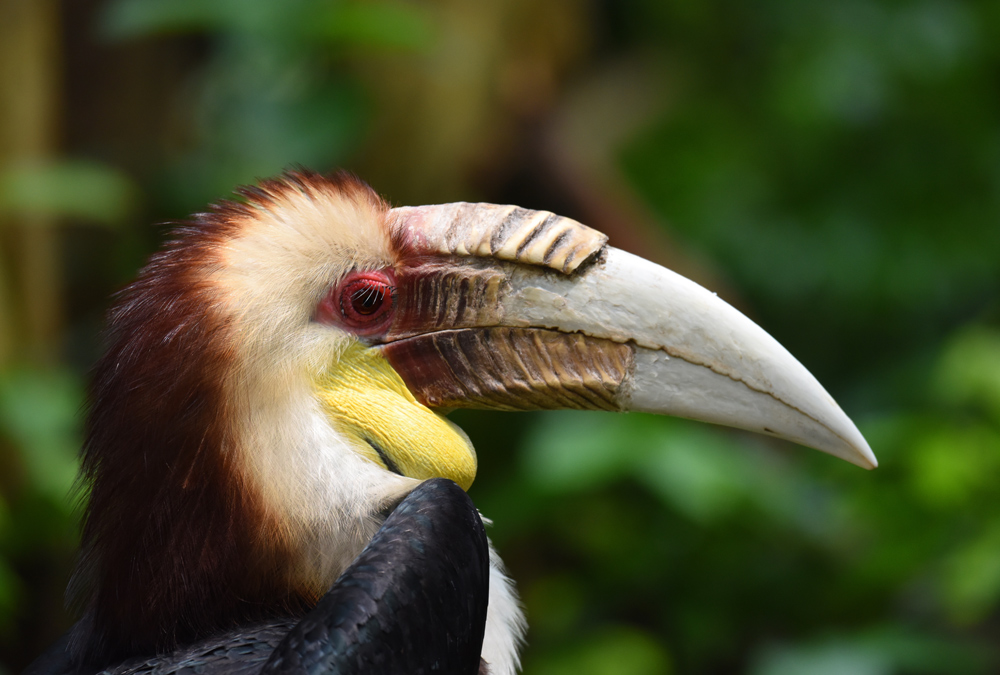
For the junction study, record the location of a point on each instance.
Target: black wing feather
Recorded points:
(413, 602)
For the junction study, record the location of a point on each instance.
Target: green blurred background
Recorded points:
(831, 168)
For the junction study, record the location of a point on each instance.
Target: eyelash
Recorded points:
(363, 302)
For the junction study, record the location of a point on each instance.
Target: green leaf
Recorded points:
(697, 470)
(39, 412)
(395, 25)
(574, 450)
(969, 369)
(135, 18)
(383, 24)
(702, 471)
(876, 651)
(830, 659)
(612, 651)
(955, 464)
(68, 188)
(972, 578)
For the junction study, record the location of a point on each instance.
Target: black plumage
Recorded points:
(414, 601)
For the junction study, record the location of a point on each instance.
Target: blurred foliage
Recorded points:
(71, 189)
(272, 94)
(835, 164)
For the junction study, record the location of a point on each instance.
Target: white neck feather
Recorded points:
(505, 624)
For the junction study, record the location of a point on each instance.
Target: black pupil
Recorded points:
(368, 299)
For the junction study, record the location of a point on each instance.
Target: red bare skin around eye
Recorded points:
(362, 303)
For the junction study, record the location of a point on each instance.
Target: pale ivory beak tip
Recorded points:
(853, 448)
(866, 456)
(859, 456)
(861, 453)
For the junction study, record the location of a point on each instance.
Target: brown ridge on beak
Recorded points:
(500, 232)
(512, 369)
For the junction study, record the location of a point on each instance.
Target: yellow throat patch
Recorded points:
(366, 400)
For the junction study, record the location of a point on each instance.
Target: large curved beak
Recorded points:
(504, 308)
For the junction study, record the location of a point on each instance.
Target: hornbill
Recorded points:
(274, 392)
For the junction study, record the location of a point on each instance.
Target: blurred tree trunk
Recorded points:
(449, 119)
(29, 277)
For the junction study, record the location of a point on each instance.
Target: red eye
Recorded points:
(361, 302)
(364, 299)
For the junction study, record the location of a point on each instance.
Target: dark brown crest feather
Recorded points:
(176, 544)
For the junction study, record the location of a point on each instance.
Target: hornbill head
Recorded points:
(276, 377)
